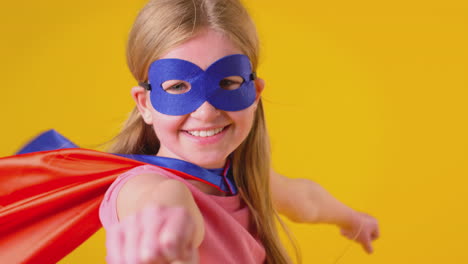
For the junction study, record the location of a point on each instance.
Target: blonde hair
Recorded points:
(160, 26)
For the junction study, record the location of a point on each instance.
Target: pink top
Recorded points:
(228, 237)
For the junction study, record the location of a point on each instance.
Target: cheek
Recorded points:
(244, 121)
(166, 126)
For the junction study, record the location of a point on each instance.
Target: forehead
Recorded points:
(204, 48)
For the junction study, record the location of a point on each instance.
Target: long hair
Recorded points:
(160, 26)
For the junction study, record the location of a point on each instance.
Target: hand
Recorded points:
(363, 230)
(155, 235)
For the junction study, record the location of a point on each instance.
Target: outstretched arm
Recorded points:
(305, 201)
(159, 223)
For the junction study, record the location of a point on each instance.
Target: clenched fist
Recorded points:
(364, 231)
(154, 235)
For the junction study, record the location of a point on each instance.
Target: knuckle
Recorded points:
(181, 212)
(168, 241)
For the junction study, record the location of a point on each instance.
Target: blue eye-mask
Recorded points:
(203, 85)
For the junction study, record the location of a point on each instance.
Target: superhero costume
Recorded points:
(50, 193)
(49, 199)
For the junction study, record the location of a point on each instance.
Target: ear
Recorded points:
(259, 86)
(141, 97)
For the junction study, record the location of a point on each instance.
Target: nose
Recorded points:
(206, 112)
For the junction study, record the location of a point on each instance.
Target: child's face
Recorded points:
(190, 137)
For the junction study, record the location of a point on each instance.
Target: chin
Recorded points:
(212, 162)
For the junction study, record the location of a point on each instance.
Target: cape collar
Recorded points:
(221, 178)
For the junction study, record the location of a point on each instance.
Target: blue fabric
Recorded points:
(213, 176)
(52, 140)
(204, 85)
(49, 140)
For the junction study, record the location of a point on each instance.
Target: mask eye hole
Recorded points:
(231, 82)
(176, 86)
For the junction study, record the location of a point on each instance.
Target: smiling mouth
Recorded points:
(206, 133)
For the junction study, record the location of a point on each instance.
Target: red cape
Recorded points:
(49, 201)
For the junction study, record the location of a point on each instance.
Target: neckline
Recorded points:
(224, 182)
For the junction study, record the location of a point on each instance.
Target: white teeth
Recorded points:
(205, 133)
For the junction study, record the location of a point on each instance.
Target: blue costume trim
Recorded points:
(52, 140)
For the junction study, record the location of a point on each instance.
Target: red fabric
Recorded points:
(49, 201)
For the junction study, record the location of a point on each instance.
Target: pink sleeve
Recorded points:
(108, 209)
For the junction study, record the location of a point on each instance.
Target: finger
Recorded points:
(367, 244)
(151, 220)
(176, 234)
(191, 258)
(368, 248)
(114, 240)
(376, 233)
(189, 252)
(131, 243)
(193, 255)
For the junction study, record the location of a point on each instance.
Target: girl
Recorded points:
(199, 111)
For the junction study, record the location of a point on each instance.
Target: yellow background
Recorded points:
(368, 98)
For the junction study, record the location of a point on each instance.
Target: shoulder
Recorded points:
(151, 186)
(147, 186)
